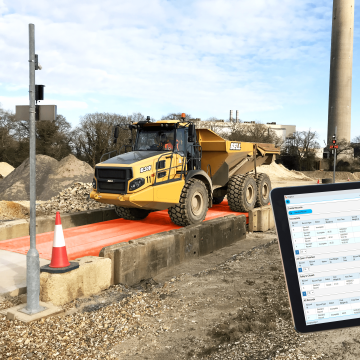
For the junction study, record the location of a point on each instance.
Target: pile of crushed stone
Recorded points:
(73, 199)
(52, 177)
(5, 169)
(280, 172)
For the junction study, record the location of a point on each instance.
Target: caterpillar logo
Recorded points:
(146, 168)
(235, 146)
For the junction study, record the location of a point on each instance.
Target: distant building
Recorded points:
(282, 131)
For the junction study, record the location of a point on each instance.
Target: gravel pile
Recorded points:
(75, 198)
(52, 177)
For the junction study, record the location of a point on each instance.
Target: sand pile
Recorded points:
(52, 177)
(280, 172)
(5, 169)
(10, 210)
(75, 198)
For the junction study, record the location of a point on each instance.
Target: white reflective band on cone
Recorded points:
(59, 240)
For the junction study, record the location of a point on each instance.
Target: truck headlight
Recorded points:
(135, 184)
(94, 183)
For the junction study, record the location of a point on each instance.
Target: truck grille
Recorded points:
(113, 180)
(112, 173)
(116, 186)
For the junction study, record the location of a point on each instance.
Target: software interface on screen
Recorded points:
(325, 232)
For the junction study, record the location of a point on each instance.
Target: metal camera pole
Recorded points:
(32, 257)
(334, 155)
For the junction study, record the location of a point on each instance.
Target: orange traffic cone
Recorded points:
(318, 181)
(348, 179)
(59, 259)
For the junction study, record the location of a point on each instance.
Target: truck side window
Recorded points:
(180, 137)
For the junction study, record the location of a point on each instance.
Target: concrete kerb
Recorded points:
(19, 228)
(148, 256)
(261, 219)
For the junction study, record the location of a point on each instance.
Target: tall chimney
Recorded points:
(231, 115)
(339, 112)
(237, 116)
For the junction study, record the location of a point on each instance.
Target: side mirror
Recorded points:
(192, 132)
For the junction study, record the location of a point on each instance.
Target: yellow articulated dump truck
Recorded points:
(174, 166)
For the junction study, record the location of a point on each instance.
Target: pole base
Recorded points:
(32, 312)
(48, 269)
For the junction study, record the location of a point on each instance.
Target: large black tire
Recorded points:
(193, 205)
(131, 213)
(218, 199)
(326, 181)
(263, 185)
(242, 193)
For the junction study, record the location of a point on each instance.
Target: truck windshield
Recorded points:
(155, 140)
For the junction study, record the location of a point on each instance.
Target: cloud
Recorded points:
(203, 54)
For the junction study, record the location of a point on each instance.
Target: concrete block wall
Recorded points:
(148, 256)
(19, 228)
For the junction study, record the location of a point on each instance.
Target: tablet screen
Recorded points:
(325, 233)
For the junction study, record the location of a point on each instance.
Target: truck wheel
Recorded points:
(218, 200)
(131, 213)
(263, 184)
(193, 205)
(242, 193)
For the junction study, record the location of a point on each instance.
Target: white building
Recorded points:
(282, 131)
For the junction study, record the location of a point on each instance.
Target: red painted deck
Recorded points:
(90, 239)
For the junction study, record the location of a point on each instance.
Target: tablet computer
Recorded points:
(318, 228)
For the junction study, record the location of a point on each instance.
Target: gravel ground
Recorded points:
(231, 304)
(217, 313)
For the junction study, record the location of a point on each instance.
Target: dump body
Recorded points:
(222, 158)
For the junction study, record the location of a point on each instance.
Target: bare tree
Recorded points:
(301, 148)
(8, 144)
(176, 116)
(94, 136)
(254, 133)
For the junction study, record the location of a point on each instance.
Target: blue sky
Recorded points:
(269, 59)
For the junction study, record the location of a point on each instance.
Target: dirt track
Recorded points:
(233, 309)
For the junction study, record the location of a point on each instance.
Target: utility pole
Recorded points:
(32, 257)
